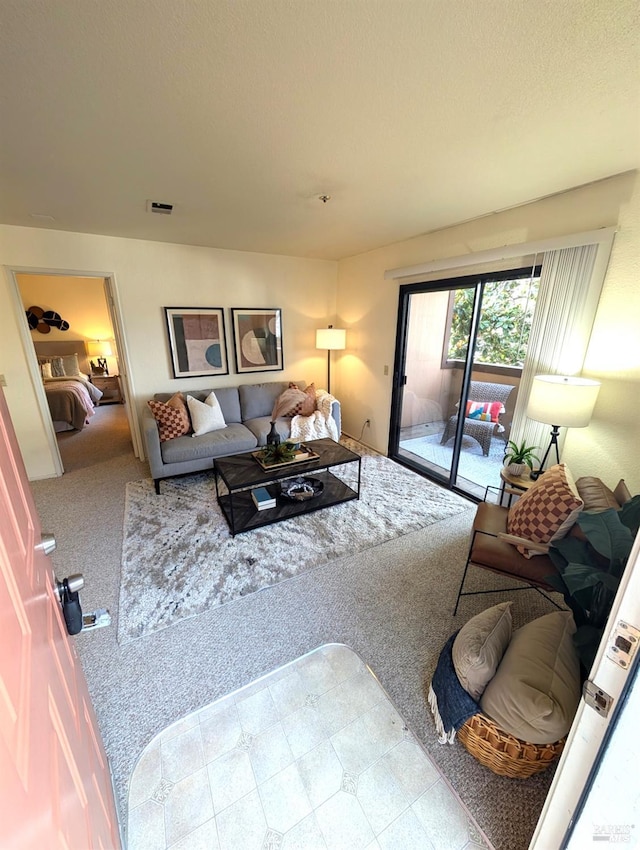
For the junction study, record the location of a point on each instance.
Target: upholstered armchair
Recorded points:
(482, 429)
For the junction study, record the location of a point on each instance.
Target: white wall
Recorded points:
(367, 307)
(149, 276)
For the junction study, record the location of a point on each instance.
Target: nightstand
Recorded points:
(110, 387)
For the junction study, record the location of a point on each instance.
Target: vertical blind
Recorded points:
(565, 311)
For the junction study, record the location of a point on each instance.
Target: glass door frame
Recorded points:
(477, 283)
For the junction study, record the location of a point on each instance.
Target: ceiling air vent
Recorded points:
(158, 208)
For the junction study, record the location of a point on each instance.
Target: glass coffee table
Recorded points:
(237, 476)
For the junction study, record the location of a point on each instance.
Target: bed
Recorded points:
(71, 396)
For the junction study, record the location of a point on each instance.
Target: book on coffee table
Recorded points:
(263, 499)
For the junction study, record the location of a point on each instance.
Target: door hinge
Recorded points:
(596, 698)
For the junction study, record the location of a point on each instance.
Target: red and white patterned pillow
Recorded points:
(547, 510)
(172, 417)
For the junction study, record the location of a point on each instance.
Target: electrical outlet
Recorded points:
(386, 370)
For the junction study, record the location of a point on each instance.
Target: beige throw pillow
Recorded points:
(536, 689)
(206, 416)
(479, 647)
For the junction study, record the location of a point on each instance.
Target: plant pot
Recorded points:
(516, 469)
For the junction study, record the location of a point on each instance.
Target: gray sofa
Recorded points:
(247, 413)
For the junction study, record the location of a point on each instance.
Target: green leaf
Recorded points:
(573, 550)
(607, 534)
(629, 515)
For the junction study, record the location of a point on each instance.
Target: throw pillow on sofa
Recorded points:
(206, 416)
(295, 402)
(172, 417)
(547, 510)
(536, 689)
(479, 647)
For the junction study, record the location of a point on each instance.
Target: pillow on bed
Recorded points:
(45, 369)
(70, 365)
(57, 367)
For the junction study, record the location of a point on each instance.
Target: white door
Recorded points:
(587, 733)
(55, 785)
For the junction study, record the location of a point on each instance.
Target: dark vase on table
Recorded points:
(273, 438)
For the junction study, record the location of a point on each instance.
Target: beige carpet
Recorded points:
(392, 604)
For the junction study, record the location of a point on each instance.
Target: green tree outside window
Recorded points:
(505, 322)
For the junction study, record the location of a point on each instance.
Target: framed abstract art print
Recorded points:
(197, 341)
(257, 339)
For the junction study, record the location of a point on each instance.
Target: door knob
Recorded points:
(67, 591)
(47, 543)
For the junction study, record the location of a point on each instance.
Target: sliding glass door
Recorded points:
(460, 346)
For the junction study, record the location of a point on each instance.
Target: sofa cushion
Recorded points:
(234, 438)
(536, 689)
(261, 426)
(547, 510)
(259, 399)
(479, 647)
(227, 397)
(206, 415)
(171, 416)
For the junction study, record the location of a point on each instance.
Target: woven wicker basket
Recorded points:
(504, 754)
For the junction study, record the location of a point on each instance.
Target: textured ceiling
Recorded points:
(412, 114)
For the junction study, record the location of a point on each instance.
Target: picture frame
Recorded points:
(197, 341)
(257, 339)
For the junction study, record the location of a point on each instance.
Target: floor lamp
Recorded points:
(331, 339)
(567, 401)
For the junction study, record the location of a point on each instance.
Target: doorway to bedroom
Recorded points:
(72, 333)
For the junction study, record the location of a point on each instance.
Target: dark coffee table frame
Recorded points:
(241, 473)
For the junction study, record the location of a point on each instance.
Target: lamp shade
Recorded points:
(331, 339)
(563, 401)
(99, 348)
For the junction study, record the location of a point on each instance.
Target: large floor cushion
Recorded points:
(536, 689)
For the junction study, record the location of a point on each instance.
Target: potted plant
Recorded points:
(590, 568)
(518, 457)
(274, 453)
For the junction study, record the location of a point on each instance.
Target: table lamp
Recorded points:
(101, 349)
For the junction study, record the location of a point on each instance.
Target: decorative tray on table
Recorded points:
(301, 454)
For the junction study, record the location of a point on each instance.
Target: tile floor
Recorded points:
(313, 756)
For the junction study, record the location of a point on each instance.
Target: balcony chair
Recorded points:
(481, 430)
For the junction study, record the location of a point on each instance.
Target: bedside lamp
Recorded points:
(567, 401)
(101, 350)
(331, 339)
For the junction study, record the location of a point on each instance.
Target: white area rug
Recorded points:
(179, 559)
